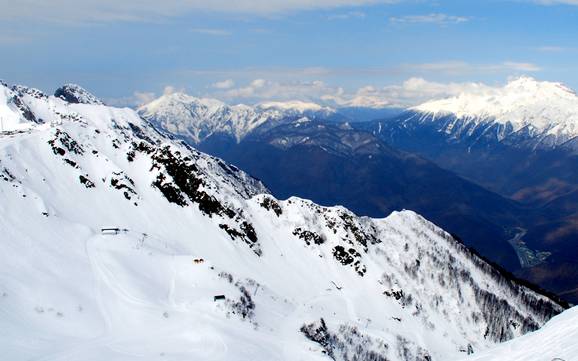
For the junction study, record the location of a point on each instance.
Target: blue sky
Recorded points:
(128, 51)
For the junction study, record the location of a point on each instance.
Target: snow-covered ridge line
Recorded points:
(198, 118)
(539, 109)
(207, 264)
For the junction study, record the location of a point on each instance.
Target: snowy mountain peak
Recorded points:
(295, 105)
(526, 84)
(75, 94)
(183, 98)
(16, 107)
(196, 119)
(23, 108)
(547, 111)
(123, 243)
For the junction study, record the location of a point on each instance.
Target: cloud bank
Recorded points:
(412, 91)
(434, 18)
(140, 10)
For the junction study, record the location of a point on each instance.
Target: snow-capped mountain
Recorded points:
(519, 141)
(524, 112)
(119, 243)
(196, 119)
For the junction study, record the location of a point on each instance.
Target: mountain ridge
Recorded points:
(524, 107)
(533, 167)
(203, 262)
(199, 118)
(334, 164)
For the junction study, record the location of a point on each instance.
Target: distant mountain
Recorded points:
(518, 141)
(120, 242)
(197, 119)
(524, 113)
(515, 142)
(364, 114)
(335, 164)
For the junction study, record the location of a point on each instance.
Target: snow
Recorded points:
(74, 93)
(555, 341)
(546, 108)
(69, 292)
(11, 116)
(294, 105)
(198, 118)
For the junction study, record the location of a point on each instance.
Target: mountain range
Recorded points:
(518, 141)
(523, 113)
(495, 167)
(120, 242)
(197, 119)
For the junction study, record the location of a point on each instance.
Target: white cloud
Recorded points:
(258, 83)
(12, 39)
(225, 84)
(210, 31)
(133, 101)
(261, 90)
(445, 68)
(552, 49)
(347, 15)
(144, 97)
(139, 98)
(311, 83)
(411, 92)
(556, 2)
(73, 11)
(169, 89)
(516, 66)
(434, 18)
(464, 68)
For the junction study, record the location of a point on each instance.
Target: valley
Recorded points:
(472, 181)
(288, 180)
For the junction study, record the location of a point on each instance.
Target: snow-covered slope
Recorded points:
(296, 107)
(195, 119)
(555, 341)
(524, 110)
(299, 281)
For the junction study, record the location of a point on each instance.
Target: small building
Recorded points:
(219, 298)
(110, 231)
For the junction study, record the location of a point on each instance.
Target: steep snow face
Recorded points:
(200, 262)
(555, 341)
(15, 113)
(196, 119)
(545, 111)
